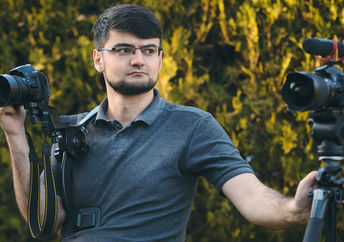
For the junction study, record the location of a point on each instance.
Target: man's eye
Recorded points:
(123, 50)
(148, 50)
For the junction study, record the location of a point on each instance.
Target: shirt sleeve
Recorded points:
(212, 154)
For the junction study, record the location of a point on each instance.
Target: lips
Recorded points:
(137, 73)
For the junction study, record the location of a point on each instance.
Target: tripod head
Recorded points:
(328, 132)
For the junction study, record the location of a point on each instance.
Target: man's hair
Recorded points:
(134, 19)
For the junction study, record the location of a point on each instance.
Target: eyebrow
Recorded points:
(129, 45)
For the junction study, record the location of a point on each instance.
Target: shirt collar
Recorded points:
(148, 116)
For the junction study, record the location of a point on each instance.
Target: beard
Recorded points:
(127, 88)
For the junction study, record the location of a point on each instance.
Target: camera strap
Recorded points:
(36, 229)
(82, 218)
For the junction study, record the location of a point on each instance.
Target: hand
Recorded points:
(12, 120)
(302, 201)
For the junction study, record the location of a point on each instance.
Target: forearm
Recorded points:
(274, 210)
(262, 205)
(19, 152)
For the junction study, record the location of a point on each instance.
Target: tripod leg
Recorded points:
(331, 221)
(316, 218)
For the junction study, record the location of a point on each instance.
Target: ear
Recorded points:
(98, 60)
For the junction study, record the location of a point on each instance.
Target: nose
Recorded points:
(137, 59)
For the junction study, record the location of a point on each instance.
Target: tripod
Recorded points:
(327, 130)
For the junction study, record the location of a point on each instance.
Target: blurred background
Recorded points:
(228, 57)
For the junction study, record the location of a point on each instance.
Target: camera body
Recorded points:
(321, 92)
(24, 85)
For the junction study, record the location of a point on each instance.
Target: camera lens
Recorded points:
(12, 90)
(299, 90)
(4, 91)
(303, 91)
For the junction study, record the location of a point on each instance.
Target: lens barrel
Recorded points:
(13, 90)
(303, 91)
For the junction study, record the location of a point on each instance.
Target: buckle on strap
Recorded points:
(88, 218)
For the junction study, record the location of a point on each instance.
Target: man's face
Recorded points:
(128, 74)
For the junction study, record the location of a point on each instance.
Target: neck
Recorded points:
(125, 109)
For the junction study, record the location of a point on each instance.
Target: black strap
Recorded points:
(47, 228)
(66, 185)
(89, 117)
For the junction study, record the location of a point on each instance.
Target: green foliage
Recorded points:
(227, 57)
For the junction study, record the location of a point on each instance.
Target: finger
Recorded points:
(308, 183)
(311, 178)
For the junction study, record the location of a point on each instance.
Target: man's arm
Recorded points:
(12, 122)
(266, 207)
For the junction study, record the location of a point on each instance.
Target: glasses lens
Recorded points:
(149, 50)
(125, 50)
(131, 50)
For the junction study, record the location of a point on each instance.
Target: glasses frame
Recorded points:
(133, 47)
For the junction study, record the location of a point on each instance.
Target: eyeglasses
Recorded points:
(127, 50)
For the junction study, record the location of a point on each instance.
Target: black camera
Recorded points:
(321, 92)
(23, 85)
(324, 88)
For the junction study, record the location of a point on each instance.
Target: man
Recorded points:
(145, 153)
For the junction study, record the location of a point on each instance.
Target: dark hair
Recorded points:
(134, 19)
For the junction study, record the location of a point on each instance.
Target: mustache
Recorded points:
(136, 69)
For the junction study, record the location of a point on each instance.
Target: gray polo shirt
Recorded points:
(143, 177)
